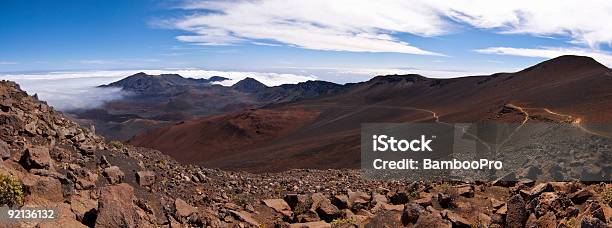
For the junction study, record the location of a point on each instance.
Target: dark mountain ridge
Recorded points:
(151, 84)
(570, 86)
(249, 85)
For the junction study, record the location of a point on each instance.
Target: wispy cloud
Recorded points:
(8, 63)
(364, 26)
(373, 26)
(573, 19)
(96, 61)
(548, 52)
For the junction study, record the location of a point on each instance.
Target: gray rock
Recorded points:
(5, 153)
(113, 174)
(145, 178)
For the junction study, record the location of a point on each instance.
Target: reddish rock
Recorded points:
(548, 220)
(82, 206)
(581, 196)
(445, 200)
(517, 215)
(40, 187)
(145, 178)
(411, 213)
(507, 180)
(319, 224)
(496, 203)
(457, 220)
(532, 221)
(429, 220)
(465, 190)
(37, 158)
(116, 207)
(183, 209)
(113, 174)
(61, 222)
(357, 200)
(425, 200)
(341, 201)
(378, 199)
(327, 211)
(245, 217)
(537, 190)
(279, 206)
(551, 201)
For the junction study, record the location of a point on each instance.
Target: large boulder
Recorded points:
(37, 158)
(41, 187)
(116, 207)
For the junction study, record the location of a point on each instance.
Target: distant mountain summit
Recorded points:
(145, 83)
(249, 85)
(322, 121)
(217, 79)
(567, 63)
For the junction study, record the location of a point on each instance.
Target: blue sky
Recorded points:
(341, 41)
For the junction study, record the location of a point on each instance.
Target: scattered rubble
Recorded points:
(59, 164)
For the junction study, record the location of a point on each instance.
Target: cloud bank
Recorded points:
(67, 91)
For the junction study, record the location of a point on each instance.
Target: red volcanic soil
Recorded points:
(325, 132)
(217, 137)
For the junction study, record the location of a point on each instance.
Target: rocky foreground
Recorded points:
(50, 161)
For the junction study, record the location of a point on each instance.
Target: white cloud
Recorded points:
(78, 89)
(341, 25)
(582, 22)
(601, 56)
(8, 63)
(373, 26)
(96, 61)
(400, 71)
(70, 90)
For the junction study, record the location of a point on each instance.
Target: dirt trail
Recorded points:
(575, 121)
(434, 116)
